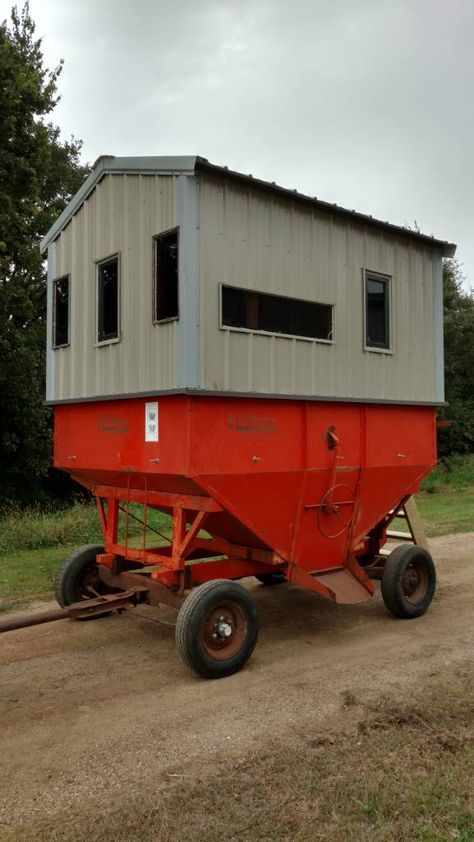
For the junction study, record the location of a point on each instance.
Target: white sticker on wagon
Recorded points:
(151, 421)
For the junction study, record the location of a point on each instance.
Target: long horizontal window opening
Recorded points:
(261, 312)
(61, 312)
(377, 311)
(108, 300)
(165, 277)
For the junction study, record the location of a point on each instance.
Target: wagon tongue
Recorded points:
(76, 611)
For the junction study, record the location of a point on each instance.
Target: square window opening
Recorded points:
(108, 300)
(61, 312)
(276, 314)
(165, 277)
(377, 311)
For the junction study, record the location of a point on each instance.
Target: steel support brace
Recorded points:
(189, 516)
(159, 499)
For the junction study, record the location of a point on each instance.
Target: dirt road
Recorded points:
(91, 709)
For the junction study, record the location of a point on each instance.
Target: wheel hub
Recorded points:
(223, 629)
(410, 582)
(414, 582)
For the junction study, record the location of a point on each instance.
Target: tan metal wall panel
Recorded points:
(121, 216)
(252, 239)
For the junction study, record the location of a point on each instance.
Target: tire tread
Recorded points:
(391, 583)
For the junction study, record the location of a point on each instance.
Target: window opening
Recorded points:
(107, 300)
(377, 311)
(61, 312)
(165, 277)
(266, 313)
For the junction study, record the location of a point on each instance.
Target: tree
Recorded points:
(459, 362)
(38, 175)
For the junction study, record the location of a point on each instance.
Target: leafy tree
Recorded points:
(459, 362)
(38, 175)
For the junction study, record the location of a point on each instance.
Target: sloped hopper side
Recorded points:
(305, 479)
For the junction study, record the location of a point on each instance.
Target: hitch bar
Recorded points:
(78, 610)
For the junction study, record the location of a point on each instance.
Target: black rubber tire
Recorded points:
(270, 578)
(398, 564)
(69, 584)
(190, 626)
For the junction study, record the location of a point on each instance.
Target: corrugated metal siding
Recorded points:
(254, 240)
(121, 216)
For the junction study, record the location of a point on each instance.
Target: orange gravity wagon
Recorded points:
(259, 365)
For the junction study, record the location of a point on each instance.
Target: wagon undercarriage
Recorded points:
(217, 625)
(189, 558)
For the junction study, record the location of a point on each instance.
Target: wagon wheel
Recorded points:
(335, 510)
(408, 581)
(217, 628)
(78, 578)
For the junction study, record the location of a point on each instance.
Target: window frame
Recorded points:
(368, 274)
(256, 332)
(99, 343)
(155, 238)
(53, 325)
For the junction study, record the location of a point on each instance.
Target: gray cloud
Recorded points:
(366, 103)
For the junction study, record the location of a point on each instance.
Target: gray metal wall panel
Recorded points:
(252, 239)
(121, 216)
(248, 238)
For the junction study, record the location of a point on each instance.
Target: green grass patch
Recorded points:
(33, 528)
(445, 512)
(455, 473)
(79, 524)
(28, 574)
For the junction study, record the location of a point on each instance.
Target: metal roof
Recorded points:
(188, 164)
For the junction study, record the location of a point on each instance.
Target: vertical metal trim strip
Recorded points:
(189, 319)
(438, 328)
(50, 354)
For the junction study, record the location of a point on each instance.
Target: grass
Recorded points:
(79, 524)
(404, 774)
(455, 473)
(33, 542)
(28, 574)
(446, 502)
(447, 511)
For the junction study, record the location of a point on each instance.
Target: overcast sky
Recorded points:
(367, 103)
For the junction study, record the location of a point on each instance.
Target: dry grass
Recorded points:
(405, 774)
